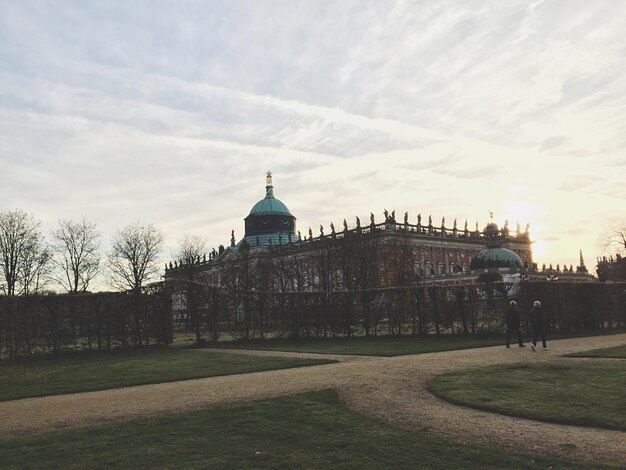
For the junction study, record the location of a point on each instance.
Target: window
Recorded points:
(417, 267)
(428, 268)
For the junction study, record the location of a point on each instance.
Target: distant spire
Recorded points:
(582, 261)
(269, 188)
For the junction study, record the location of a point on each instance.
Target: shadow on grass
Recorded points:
(100, 371)
(386, 346)
(312, 430)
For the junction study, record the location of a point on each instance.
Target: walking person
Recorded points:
(537, 323)
(513, 324)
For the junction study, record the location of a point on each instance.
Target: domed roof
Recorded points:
(491, 228)
(269, 223)
(269, 205)
(496, 257)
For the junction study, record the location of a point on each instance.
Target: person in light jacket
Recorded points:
(537, 323)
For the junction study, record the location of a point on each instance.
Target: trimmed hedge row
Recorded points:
(424, 310)
(101, 321)
(57, 323)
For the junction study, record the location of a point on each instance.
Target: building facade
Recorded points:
(360, 256)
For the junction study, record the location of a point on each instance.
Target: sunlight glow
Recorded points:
(521, 207)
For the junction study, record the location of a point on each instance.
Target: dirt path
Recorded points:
(392, 389)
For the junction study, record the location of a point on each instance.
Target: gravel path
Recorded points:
(392, 389)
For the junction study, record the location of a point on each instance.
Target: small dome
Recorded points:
(491, 230)
(269, 223)
(269, 205)
(496, 258)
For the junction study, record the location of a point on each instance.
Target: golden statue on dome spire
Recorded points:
(269, 189)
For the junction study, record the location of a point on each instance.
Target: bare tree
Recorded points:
(36, 271)
(24, 256)
(133, 256)
(613, 237)
(191, 248)
(77, 245)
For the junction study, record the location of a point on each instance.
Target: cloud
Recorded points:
(579, 183)
(173, 112)
(474, 173)
(553, 142)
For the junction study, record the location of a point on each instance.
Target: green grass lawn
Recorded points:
(82, 372)
(384, 345)
(585, 394)
(616, 352)
(307, 431)
(367, 346)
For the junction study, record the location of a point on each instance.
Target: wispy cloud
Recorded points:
(173, 112)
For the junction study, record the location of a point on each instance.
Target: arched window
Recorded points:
(428, 268)
(441, 268)
(417, 267)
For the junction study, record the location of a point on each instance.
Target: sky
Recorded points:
(171, 113)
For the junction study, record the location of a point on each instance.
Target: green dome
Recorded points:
(269, 223)
(269, 205)
(496, 258)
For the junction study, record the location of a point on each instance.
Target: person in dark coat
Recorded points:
(537, 323)
(513, 324)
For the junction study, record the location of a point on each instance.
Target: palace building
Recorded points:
(372, 255)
